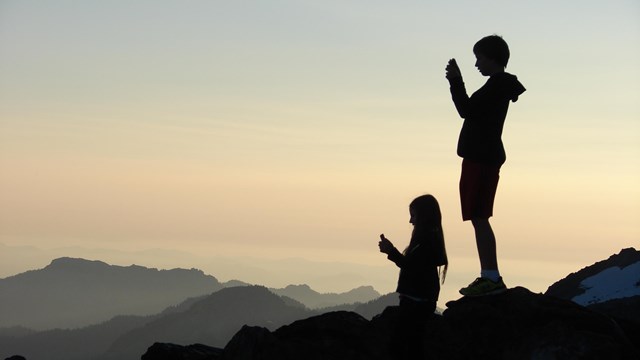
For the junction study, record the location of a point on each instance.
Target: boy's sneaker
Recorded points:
(482, 286)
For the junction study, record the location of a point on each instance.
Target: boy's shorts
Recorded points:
(478, 185)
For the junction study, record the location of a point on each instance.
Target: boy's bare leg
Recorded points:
(490, 281)
(486, 242)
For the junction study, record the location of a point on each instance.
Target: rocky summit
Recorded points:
(517, 324)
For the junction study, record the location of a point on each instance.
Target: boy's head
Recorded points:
(493, 47)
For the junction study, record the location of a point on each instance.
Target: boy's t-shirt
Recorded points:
(484, 114)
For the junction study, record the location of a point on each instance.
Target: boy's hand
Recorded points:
(385, 245)
(453, 71)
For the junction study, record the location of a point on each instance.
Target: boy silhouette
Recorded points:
(480, 146)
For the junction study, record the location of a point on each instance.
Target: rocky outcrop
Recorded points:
(614, 285)
(335, 335)
(517, 324)
(571, 286)
(522, 325)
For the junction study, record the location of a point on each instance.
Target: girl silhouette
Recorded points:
(422, 265)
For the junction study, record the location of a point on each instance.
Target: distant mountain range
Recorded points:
(71, 293)
(321, 275)
(314, 300)
(214, 315)
(105, 311)
(212, 319)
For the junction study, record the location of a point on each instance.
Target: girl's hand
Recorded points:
(385, 245)
(453, 71)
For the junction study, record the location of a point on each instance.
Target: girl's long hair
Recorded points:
(428, 226)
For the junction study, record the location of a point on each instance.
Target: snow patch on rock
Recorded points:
(609, 284)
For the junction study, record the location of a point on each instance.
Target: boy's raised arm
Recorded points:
(456, 85)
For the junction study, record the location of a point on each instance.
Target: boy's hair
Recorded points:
(494, 47)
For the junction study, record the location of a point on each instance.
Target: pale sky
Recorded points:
(293, 128)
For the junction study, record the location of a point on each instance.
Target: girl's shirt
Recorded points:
(418, 272)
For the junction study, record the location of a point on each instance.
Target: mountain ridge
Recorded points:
(82, 292)
(214, 319)
(315, 300)
(86, 292)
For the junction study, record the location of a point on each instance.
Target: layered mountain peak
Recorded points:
(81, 292)
(74, 263)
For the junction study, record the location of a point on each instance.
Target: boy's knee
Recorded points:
(480, 222)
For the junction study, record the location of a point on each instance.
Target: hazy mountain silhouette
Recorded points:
(71, 293)
(317, 274)
(315, 300)
(235, 283)
(212, 320)
(377, 306)
(312, 299)
(368, 309)
(75, 344)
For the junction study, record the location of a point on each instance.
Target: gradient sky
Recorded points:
(294, 128)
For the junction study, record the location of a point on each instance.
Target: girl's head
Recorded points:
(425, 212)
(427, 226)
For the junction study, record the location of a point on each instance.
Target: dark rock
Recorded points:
(251, 342)
(625, 308)
(626, 312)
(517, 324)
(334, 335)
(160, 351)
